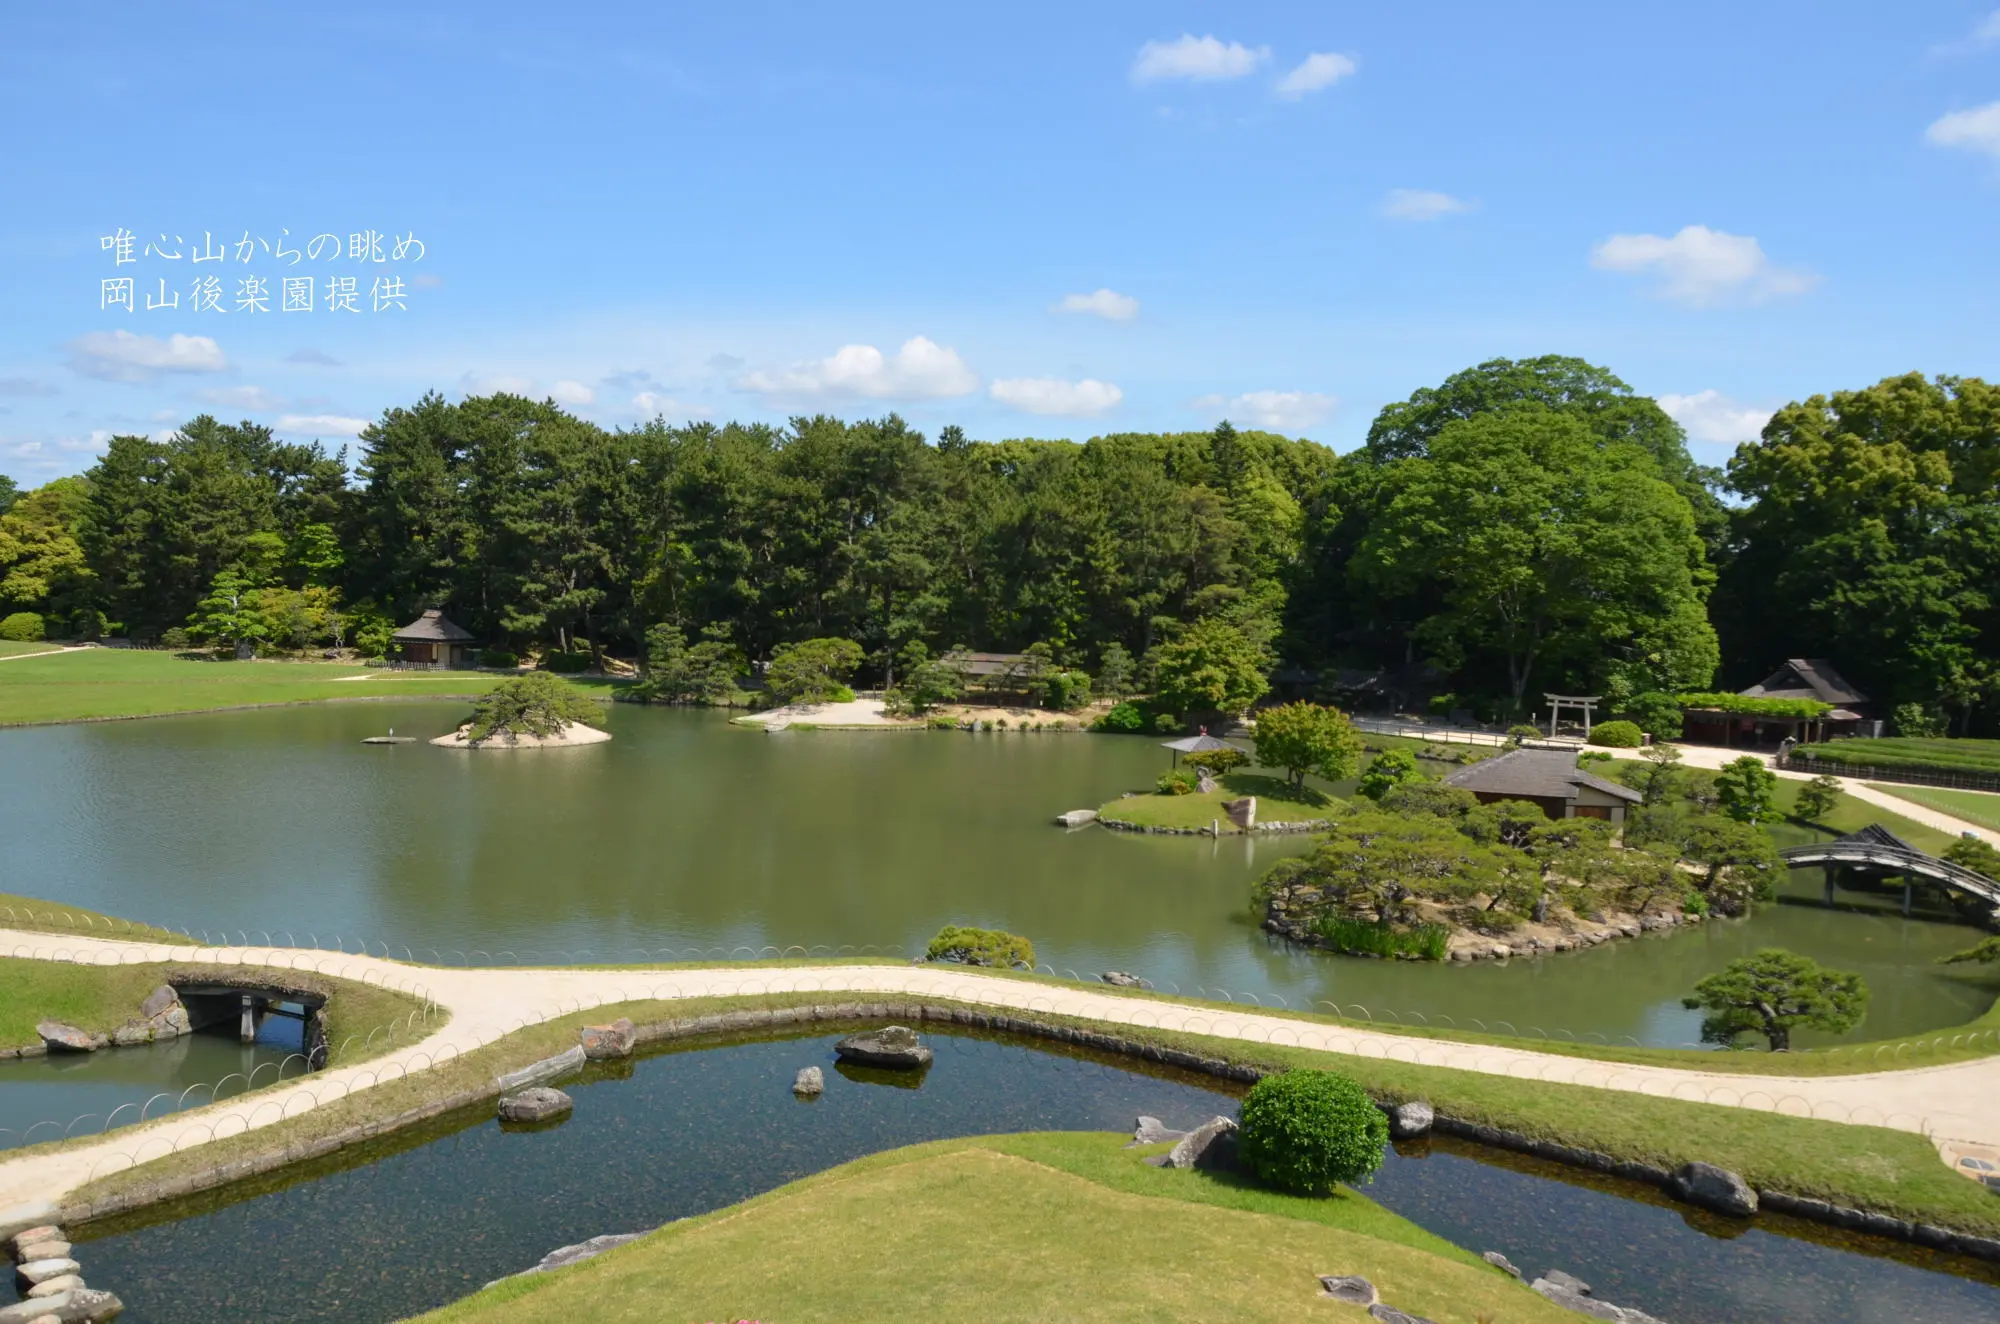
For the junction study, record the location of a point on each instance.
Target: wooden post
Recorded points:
(1830, 870)
(1906, 896)
(247, 1028)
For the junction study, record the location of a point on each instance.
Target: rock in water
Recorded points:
(603, 1042)
(68, 1038)
(811, 1081)
(1210, 1145)
(1408, 1120)
(28, 1236)
(1714, 1188)
(538, 1103)
(69, 1282)
(894, 1046)
(40, 1271)
(1354, 1290)
(131, 1035)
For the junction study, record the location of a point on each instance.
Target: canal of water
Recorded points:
(382, 1232)
(687, 832)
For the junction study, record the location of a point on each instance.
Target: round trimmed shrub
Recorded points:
(497, 657)
(23, 627)
(1617, 735)
(1123, 718)
(1308, 1131)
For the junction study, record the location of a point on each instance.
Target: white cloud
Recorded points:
(1713, 416)
(1318, 70)
(1053, 395)
(120, 356)
(572, 393)
(652, 404)
(1417, 204)
(921, 368)
(1701, 266)
(1976, 130)
(1108, 304)
(473, 383)
(320, 425)
(242, 397)
(1204, 59)
(1282, 411)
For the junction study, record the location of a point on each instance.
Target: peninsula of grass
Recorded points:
(1980, 807)
(1022, 1227)
(104, 683)
(1865, 1167)
(1277, 801)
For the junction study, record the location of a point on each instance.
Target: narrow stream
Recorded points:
(381, 1233)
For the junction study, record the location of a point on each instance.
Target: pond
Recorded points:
(379, 1233)
(687, 832)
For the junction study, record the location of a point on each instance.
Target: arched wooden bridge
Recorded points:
(1878, 850)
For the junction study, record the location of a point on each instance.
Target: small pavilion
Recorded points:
(434, 640)
(1814, 679)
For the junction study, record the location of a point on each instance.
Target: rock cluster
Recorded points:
(893, 1046)
(161, 1016)
(537, 1103)
(1572, 1293)
(51, 1283)
(1293, 912)
(1354, 1290)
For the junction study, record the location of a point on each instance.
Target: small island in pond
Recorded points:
(531, 711)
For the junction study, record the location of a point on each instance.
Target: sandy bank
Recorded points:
(574, 734)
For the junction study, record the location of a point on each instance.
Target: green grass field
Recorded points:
(111, 682)
(1851, 815)
(1277, 801)
(1027, 1227)
(15, 648)
(1981, 807)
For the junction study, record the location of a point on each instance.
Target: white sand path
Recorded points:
(1710, 756)
(1955, 1105)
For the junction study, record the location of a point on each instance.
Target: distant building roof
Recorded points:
(1806, 678)
(1535, 774)
(986, 664)
(432, 628)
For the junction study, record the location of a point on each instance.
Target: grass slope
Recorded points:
(1032, 1227)
(1981, 807)
(111, 682)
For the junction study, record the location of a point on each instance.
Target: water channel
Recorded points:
(687, 832)
(382, 1232)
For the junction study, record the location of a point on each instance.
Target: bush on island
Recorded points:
(1617, 735)
(989, 947)
(1177, 782)
(1308, 1131)
(23, 627)
(812, 671)
(532, 704)
(1121, 719)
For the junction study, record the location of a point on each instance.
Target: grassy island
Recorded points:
(1066, 1226)
(1277, 801)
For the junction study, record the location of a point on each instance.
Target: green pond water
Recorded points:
(685, 832)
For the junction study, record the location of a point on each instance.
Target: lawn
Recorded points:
(1851, 815)
(1981, 807)
(1277, 801)
(15, 648)
(1030, 1227)
(112, 682)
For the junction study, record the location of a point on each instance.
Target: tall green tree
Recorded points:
(1774, 993)
(1310, 738)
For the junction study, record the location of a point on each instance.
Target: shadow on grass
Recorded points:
(1266, 787)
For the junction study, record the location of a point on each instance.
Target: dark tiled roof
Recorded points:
(1541, 774)
(1806, 678)
(986, 664)
(432, 628)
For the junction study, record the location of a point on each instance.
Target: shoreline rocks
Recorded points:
(61, 1037)
(602, 1043)
(1410, 1120)
(893, 1046)
(1717, 1189)
(1572, 1293)
(537, 1103)
(1292, 912)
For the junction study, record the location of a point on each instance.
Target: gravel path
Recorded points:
(1957, 1106)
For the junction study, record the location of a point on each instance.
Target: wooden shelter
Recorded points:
(434, 640)
(1548, 779)
(1810, 678)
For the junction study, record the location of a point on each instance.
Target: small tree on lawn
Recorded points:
(1662, 775)
(1817, 798)
(814, 671)
(1774, 993)
(230, 614)
(1748, 790)
(1389, 769)
(1306, 738)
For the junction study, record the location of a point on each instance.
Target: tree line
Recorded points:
(1524, 526)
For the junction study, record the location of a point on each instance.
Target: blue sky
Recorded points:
(1030, 220)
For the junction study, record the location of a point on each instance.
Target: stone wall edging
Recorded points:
(1821, 1211)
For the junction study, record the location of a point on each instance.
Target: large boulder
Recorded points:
(1572, 1293)
(69, 1282)
(893, 1046)
(28, 1236)
(1409, 1120)
(1500, 1262)
(1152, 1131)
(159, 1001)
(131, 1035)
(538, 1103)
(1714, 1188)
(1212, 1145)
(48, 1248)
(603, 1042)
(68, 1039)
(809, 1082)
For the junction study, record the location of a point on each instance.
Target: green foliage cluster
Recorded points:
(23, 627)
(1918, 720)
(706, 673)
(1217, 762)
(1122, 719)
(1909, 753)
(565, 663)
(1388, 770)
(812, 671)
(1617, 735)
(1176, 781)
(1975, 854)
(1774, 993)
(534, 703)
(1310, 1131)
(1066, 691)
(1210, 667)
(1747, 790)
(1655, 713)
(1307, 738)
(988, 947)
(1751, 705)
(1682, 818)
(497, 657)
(1817, 798)
(1426, 942)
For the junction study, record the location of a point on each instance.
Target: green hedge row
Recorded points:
(1909, 752)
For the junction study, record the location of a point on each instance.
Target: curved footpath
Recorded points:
(1953, 1105)
(1712, 756)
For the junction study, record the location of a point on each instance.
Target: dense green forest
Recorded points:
(1524, 526)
